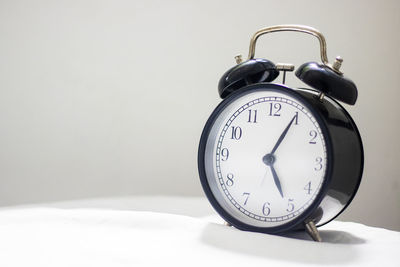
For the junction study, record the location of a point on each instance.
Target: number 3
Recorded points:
(318, 160)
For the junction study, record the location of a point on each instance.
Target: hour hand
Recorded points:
(276, 180)
(269, 160)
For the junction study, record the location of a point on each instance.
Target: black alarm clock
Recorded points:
(275, 159)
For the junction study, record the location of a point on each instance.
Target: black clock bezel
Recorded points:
(293, 224)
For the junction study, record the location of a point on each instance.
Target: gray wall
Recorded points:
(104, 98)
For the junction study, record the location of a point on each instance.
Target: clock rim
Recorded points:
(358, 177)
(308, 212)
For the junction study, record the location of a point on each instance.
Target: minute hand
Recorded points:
(282, 136)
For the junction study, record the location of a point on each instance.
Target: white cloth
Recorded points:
(173, 231)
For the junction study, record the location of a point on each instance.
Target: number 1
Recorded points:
(296, 120)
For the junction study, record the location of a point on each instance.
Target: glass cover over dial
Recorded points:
(265, 158)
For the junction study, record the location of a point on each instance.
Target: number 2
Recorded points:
(313, 135)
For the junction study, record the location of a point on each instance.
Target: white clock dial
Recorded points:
(265, 158)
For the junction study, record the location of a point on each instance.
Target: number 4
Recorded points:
(308, 188)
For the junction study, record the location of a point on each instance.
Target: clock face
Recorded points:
(265, 157)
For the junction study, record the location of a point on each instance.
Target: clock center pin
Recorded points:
(268, 159)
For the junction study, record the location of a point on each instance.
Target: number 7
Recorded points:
(247, 197)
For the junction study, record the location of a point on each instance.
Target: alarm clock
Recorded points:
(275, 159)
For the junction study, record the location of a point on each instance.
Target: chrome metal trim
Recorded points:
(293, 28)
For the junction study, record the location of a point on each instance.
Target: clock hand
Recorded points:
(269, 160)
(276, 180)
(282, 135)
(264, 177)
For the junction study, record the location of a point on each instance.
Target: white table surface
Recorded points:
(173, 231)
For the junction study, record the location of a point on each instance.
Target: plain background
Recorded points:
(107, 98)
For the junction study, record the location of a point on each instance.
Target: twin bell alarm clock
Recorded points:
(275, 159)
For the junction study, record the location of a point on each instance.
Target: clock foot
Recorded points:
(227, 224)
(312, 230)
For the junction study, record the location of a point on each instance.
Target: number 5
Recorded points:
(290, 205)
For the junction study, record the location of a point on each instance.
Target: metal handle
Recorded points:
(293, 28)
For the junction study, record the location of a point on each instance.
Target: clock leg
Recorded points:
(312, 230)
(227, 224)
